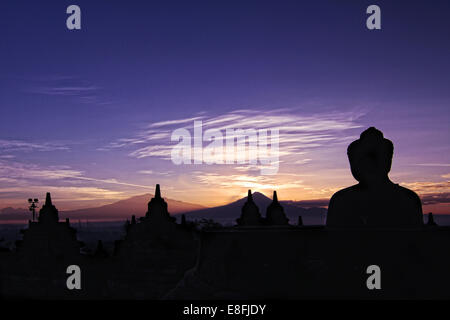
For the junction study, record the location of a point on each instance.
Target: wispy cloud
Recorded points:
(429, 187)
(160, 151)
(290, 185)
(236, 181)
(157, 173)
(28, 172)
(18, 145)
(62, 86)
(65, 197)
(67, 86)
(302, 161)
(66, 90)
(173, 122)
(297, 132)
(66, 193)
(436, 198)
(433, 164)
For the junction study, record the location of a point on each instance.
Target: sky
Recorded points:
(88, 114)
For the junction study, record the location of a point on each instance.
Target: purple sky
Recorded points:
(84, 114)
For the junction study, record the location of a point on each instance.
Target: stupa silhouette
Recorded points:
(250, 215)
(275, 213)
(157, 212)
(431, 221)
(48, 236)
(48, 212)
(157, 249)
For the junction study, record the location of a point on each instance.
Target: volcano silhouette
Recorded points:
(228, 213)
(117, 211)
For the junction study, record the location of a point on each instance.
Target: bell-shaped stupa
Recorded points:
(48, 238)
(250, 215)
(275, 213)
(48, 212)
(157, 209)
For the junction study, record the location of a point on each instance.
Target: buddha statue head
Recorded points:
(370, 157)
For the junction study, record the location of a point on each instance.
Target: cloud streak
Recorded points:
(428, 187)
(24, 146)
(19, 172)
(66, 90)
(297, 132)
(433, 164)
(68, 87)
(238, 181)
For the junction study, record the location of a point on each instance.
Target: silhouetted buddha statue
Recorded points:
(157, 209)
(250, 215)
(275, 212)
(48, 212)
(375, 201)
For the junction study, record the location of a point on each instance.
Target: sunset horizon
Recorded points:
(95, 119)
(224, 159)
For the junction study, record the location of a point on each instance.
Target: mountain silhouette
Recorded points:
(228, 213)
(120, 210)
(124, 209)
(14, 214)
(311, 211)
